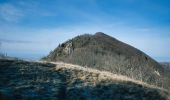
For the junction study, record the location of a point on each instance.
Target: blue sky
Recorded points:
(32, 28)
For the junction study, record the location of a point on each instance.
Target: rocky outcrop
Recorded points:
(68, 49)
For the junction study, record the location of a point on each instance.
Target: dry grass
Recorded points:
(101, 75)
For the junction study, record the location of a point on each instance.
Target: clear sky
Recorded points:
(32, 28)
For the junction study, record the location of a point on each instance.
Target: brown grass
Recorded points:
(101, 75)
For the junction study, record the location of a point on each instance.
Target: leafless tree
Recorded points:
(1, 53)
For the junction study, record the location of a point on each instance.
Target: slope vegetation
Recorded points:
(22, 80)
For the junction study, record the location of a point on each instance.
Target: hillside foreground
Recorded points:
(56, 80)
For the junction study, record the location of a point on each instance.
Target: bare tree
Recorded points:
(1, 53)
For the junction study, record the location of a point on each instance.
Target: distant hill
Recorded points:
(104, 52)
(23, 80)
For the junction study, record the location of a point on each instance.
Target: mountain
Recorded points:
(104, 52)
(23, 80)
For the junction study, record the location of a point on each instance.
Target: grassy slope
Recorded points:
(39, 80)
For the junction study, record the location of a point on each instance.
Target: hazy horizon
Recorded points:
(31, 29)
